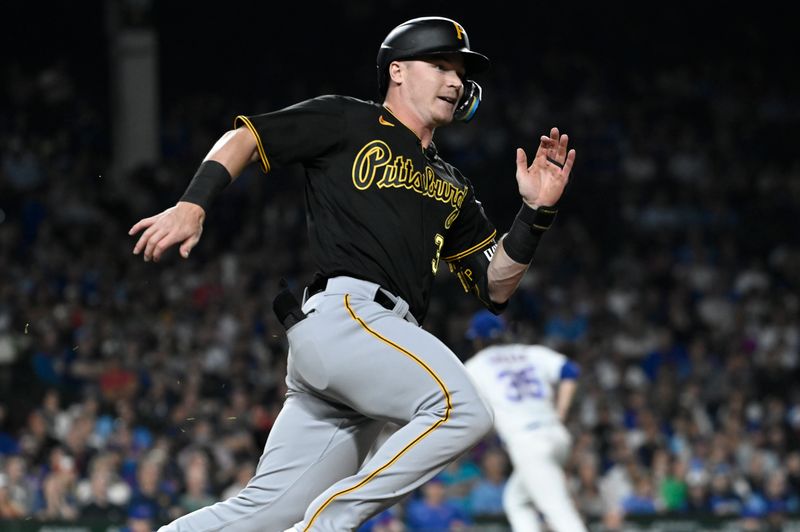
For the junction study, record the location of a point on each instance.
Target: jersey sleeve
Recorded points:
(570, 371)
(468, 248)
(299, 133)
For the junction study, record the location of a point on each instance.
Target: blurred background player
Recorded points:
(530, 388)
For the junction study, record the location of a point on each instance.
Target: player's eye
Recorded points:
(444, 67)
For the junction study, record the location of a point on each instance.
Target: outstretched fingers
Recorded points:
(188, 244)
(552, 151)
(543, 150)
(144, 239)
(141, 224)
(167, 241)
(570, 160)
(563, 142)
(522, 160)
(155, 241)
(557, 149)
(152, 242)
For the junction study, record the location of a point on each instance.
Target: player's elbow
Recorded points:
(246, 143)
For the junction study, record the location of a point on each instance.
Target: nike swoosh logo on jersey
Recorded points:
(382, 121)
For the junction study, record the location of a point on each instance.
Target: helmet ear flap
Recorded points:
(469, 102)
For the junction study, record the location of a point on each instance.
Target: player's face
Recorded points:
(434, 86)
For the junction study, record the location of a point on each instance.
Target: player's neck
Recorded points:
(410, 119)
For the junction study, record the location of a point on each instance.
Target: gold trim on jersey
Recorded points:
(375, 163)
(415, 440)
(261, 153)
(472, 249)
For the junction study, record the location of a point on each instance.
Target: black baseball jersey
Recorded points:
(379, 207)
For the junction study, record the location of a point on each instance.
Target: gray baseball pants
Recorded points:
(353, 365)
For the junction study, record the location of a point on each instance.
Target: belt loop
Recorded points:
(400, 307)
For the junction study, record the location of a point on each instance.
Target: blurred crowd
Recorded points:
(139, 392)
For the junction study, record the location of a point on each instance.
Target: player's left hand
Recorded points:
(543, 182)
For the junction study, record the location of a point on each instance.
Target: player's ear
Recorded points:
(396, 72)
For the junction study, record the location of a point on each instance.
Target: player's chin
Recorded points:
(443, 113)
(444, 118)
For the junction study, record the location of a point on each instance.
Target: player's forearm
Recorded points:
(223, 164)
(504, 275)
(566, 391)
(234, 150)
(515, 251)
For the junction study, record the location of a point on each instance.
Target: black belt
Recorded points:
(320, 283)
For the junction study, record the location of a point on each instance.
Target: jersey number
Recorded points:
(522, 384)
(439, 241)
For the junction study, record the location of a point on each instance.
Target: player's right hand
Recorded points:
(543, 182)
(182, 224)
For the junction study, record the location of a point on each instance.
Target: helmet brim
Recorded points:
(474, 63)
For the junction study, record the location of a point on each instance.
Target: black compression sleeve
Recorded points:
(209, 181)
(521, 240)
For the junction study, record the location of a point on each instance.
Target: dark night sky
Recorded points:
(241, 47)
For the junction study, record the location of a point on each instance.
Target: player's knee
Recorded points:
(251, 496)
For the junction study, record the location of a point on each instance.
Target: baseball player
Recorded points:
(530, 388)
(383, 211)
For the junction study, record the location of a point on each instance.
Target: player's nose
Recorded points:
(454, 80)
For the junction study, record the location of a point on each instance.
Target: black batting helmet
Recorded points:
(426, 36)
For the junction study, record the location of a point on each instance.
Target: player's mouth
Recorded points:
(448, 99)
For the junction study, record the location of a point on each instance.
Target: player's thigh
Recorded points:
(394, 369)
(561, 444)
